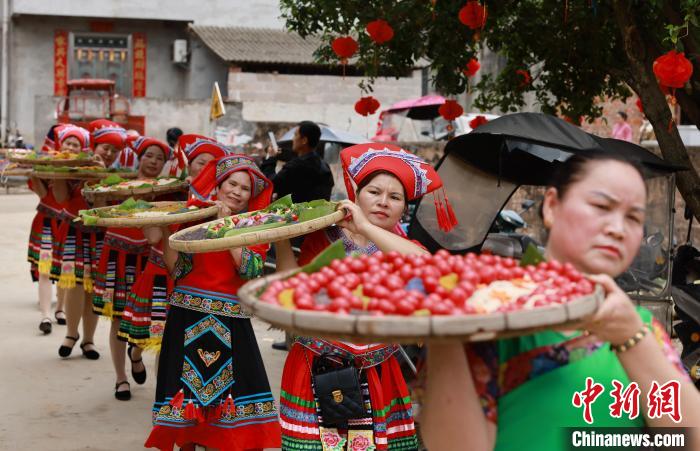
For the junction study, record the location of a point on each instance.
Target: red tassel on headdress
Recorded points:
(450, 212)
(190, 411)
(178, 399)
(443, 221)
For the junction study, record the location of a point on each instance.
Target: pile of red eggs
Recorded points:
(440, 284)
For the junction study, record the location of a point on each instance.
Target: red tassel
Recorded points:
(450, 212)
(199, 414)
(229, 405)
(443, 219)
(178, 399)
(190, 411)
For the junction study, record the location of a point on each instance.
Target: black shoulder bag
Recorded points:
(337, 390)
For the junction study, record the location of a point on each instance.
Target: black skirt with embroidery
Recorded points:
(212, 366)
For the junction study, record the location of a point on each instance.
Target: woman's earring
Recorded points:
(547, 223)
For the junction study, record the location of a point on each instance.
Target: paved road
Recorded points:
(63, 405)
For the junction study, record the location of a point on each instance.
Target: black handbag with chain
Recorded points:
(337, 390)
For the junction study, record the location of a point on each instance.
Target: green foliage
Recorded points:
(573, 50)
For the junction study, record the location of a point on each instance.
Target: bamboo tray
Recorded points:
(192, 239)
(52, 162)
(15, 172)
(80, 175)
(166, 219)
(137, 193)
(412, 329)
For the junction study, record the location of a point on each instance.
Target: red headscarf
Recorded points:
(417, 177)
(65, 131)
(105, 131)
(216, 171)
(49, 140)
(142, 143)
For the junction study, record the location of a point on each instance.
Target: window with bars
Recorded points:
(98, 55)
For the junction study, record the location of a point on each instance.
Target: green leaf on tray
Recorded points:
(283, 202)
(531, 256)
(259, 228)
(83, 156)
(133, 204)
(333, 252)
(307, 214)
(111, 180)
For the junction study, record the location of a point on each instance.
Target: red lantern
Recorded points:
(450, 110)
(472, 67)
(367, 105)
(478, 121)
(673, 69)
(344, 47)
(527, 79)
(473, 15)
(380, 31)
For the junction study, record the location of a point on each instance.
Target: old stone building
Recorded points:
(164, 56)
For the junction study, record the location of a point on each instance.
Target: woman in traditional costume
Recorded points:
(380, 180)
(124, 255)
(521, 393)
(76, 253)
(212, 386)
(43, 236)
(143, 321)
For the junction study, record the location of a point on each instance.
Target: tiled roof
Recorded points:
(257, 45)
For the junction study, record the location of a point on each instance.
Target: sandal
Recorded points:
(45, 326)
(64, 351)
(140, 377)
(61, 320)
(123, 395)
(90, 354)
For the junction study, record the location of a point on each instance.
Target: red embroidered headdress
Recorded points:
(142, 143)
(216, 171)
(106, 131)
(417, 177)
(62, 132)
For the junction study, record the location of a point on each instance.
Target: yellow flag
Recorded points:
(217, 103)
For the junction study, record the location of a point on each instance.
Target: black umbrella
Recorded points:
(482, 169)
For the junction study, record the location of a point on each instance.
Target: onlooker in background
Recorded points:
(306, 177)
(622, 130)
(172, 135)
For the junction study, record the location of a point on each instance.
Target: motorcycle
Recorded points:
(685, 290)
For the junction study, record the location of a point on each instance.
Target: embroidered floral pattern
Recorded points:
(207, 305)
(335, 233)
(364, 360)
(251, 264)
(332, 441)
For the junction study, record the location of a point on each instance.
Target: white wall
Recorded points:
(320, 98)
(245, 13)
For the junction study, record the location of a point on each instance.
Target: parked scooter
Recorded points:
(504, 238)
(685, 290)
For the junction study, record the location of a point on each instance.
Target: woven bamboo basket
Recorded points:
(193, 240)
(52, 162)
(166, 219)
(80, 175)
(412, 329)
(137, 193)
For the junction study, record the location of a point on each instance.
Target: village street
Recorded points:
(64, 405)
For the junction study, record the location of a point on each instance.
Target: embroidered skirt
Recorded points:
(43, 241)
(77, 254)
(390, 423)
(212, 388)
(120, 263)
(143, 319)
